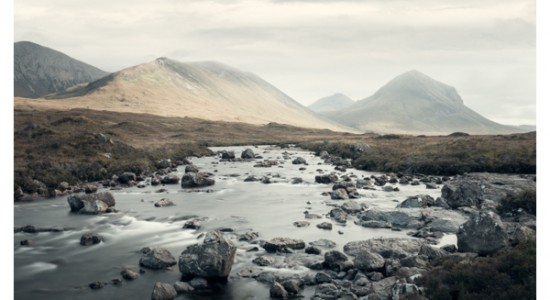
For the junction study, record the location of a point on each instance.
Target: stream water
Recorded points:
(56, 266)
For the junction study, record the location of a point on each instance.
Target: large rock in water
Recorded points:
(484, 234)
(91, 203)
(157, 259)
(211, 260)
(247, 154)
(191, 180)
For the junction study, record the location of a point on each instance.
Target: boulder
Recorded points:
(247, 154)
(191, 169)
(351, 207)
(339, 194)
(89, 239)
(126, 177)
(444, 225)
(367, 261)
(339, 215)
(313, 250)
(299, 161)
(417, 202)
(396, 218)
(326, 179)
(170, 179)
(164, 202)
(199, 283)
(322, 277)
(212, 260)
(91, 203)
(191, 180)
(157, 259)
(484, 234)
(228, 154)
(280, 244)
(431, 186)
(475, 188)
(327, 291)
(129, 274)
(277, 291)
(163, 291)
(431, 252)
(93, 207)
(386, 247)
(325, 226)
(90, 188)
(337, 261)
(263, 261)
(324, 243)
(293, 286)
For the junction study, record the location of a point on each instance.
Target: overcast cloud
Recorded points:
(312, 49)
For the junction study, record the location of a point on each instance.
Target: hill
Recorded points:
(39, 71)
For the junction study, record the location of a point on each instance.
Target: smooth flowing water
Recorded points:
(56, 266)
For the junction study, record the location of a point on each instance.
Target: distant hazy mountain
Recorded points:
(413, 103)
(205, 90)
(335, 102)
(39, 71)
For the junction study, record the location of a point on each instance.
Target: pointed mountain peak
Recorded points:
(415, 84)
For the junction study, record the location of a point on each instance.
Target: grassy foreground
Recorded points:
(80, 145)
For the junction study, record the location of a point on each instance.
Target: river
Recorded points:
(56, 266)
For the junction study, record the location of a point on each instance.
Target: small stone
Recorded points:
(325, 226)
(97, 285)
(116, 281)
(88, 239)
(183, 287)
(129, 274)
(277, 291)
(163, 291)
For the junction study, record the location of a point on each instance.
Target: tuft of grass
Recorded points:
(526, 200)
(508, 275)
(441, 155)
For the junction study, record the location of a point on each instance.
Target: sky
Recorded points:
(310, 49)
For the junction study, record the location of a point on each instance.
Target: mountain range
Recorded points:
(411, 103)
(414, 103)
(205, 90)
(39, 71)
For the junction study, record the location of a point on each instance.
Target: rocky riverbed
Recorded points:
(258, 223)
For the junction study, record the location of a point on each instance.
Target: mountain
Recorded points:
(413, 103)
(205, 90)
(39, 71)
(335, 102)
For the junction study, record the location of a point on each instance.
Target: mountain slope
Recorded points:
(334, 102)
(39, 71)
(205, 90)
(413, 103)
